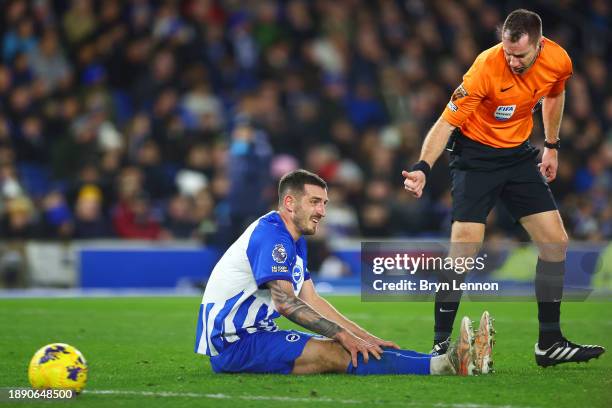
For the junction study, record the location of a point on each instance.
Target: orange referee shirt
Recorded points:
(494, 106)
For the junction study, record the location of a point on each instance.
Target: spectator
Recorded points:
(179, 221)
(133, 219)
(89, 219)
(79, 21)
(47, 61)
(19, 222)
(156, 182)
(250, 188)
(204, 217)
(18, 40)
(57, 217)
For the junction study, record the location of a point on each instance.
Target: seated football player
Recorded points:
(263, 276)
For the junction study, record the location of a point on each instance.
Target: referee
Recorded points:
(486, 125)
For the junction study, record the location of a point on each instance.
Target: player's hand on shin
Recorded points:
(414, 181)
(355, 345)
(549, 164)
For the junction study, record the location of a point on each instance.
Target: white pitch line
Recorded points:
(219, 396)
(173, 394)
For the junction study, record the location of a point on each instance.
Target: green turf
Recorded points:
(146, 345)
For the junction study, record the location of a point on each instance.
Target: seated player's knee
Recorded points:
(336, 359)
(322, 356)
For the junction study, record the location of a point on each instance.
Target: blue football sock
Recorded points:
(391, 362)
(407, 353)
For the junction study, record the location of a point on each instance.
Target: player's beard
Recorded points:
(303, 221)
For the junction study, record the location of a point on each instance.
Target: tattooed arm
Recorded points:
(311, 297)
(300, 312)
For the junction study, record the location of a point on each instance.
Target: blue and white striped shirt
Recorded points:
(236, 302)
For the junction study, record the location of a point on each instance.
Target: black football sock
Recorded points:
(446, 305)
(549, 291)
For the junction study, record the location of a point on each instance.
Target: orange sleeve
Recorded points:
(469, 94)
(567, 71)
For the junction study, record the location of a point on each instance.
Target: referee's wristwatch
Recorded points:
(556, 145)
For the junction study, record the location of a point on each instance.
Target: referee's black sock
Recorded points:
(549, 291)
(446, 305)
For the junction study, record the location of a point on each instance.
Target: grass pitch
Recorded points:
(140, 353)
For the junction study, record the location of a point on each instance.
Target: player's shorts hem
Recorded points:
(476, 220)
(518, 216)
(263, 353)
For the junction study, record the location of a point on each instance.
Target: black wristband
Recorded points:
(556, 145)
(423, 166)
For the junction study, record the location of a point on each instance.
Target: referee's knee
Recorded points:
(556, 249)
(463, 232)
(563, 240)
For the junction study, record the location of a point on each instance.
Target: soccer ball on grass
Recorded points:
(58, 366)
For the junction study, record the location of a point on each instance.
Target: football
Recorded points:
(58, 366)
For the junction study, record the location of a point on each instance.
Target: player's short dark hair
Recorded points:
(296, 180)
(521, 22)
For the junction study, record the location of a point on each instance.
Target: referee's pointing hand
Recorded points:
(414, 182)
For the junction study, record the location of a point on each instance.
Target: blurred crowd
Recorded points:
(146, 119)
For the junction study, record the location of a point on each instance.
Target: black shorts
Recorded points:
(482, 174)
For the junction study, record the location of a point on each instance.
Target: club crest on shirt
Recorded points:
(279, 253)
(296, 273)
(504, 112)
